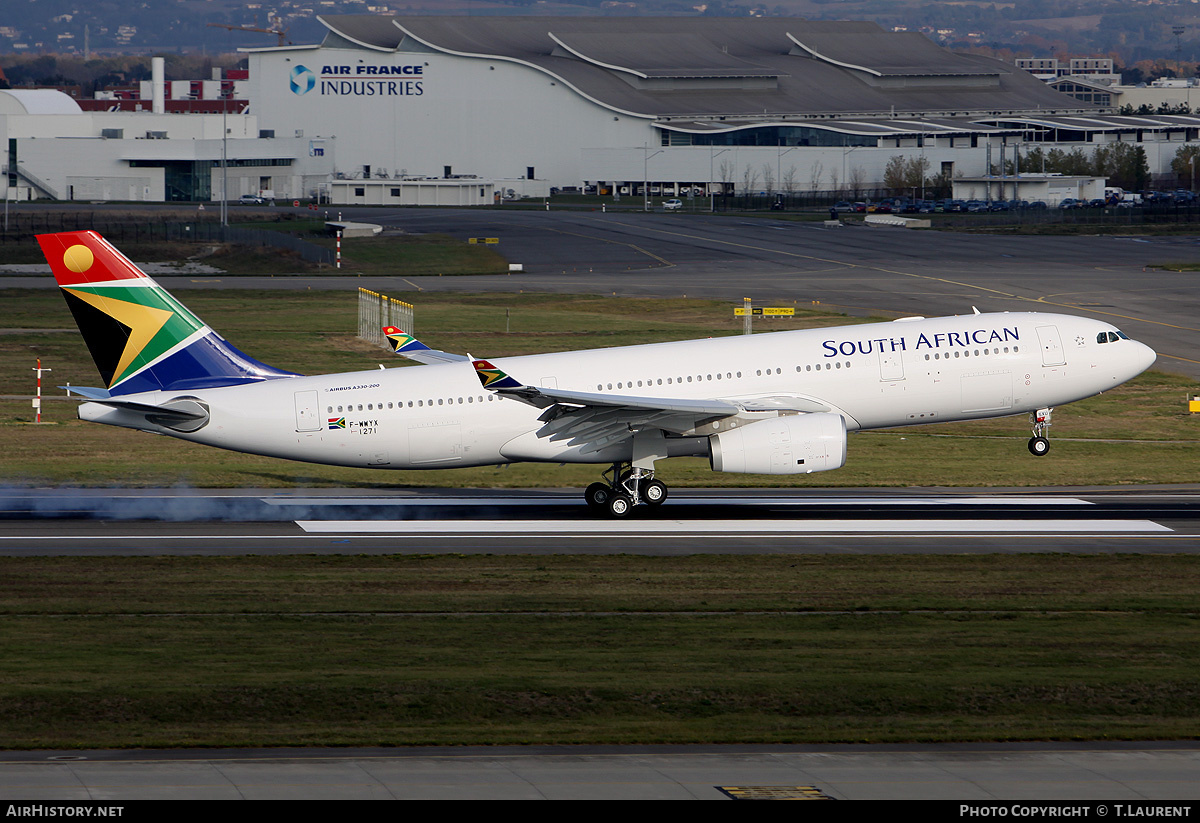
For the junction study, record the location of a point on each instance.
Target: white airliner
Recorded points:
(778, 403)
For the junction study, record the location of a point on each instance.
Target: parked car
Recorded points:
(843, 205)
(674, 204)
(251, 200)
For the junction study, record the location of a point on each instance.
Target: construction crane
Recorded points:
(279, 30)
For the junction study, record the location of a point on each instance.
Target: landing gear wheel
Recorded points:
(1038, 446)
(654, 492)
(597, 495)
(619, 505)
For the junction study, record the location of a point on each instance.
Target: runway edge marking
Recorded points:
(727, 527)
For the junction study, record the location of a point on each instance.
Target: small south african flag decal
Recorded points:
(337, 422)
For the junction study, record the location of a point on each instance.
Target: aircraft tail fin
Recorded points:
(140, 337)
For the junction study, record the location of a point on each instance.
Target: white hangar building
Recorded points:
(54, 150)
(679, 102)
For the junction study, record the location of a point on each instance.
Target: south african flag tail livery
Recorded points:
(140, 337)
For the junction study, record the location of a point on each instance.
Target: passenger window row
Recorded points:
(967, 353)
(447, 401)
(706, 378)
(670, 381)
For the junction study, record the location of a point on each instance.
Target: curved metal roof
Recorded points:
(37, 101)
(738, 67)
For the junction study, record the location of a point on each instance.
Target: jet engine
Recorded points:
(795, 444)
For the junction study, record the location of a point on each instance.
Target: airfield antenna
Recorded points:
(37, 403)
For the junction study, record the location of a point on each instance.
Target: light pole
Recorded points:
(845, 152)
(646, 176)
(712, 156)
(224, 165)
(779, 162)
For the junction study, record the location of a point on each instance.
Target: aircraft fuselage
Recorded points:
(879, 375)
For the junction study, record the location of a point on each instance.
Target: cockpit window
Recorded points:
(1122, 335)
(1102, 337)
(1112, 337)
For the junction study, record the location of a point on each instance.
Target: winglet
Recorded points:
(401, 342)
(493, 378)
(405, 345)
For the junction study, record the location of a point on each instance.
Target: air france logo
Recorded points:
(302, 80)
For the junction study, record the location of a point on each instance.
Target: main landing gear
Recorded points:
(1039, 445)
(625, 487)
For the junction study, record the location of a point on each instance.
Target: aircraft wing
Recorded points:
(414, 349)
(596, 420)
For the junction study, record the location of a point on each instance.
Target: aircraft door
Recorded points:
(1052, 349)
(307, 417)
(891, 366)
(434, 441)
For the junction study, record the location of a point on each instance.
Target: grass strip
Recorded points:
(314, 333)
(566, 649)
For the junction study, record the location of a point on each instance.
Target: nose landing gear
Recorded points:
(1039, 444)
(625, 488)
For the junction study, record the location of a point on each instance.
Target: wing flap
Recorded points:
(784, 403)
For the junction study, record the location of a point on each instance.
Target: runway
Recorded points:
(767, 521)
(1146, 776)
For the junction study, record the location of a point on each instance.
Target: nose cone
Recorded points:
(1143, 357)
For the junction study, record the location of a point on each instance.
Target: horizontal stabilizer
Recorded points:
(90, 392)
(184, 414)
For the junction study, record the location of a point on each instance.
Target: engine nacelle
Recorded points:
(795, 444)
